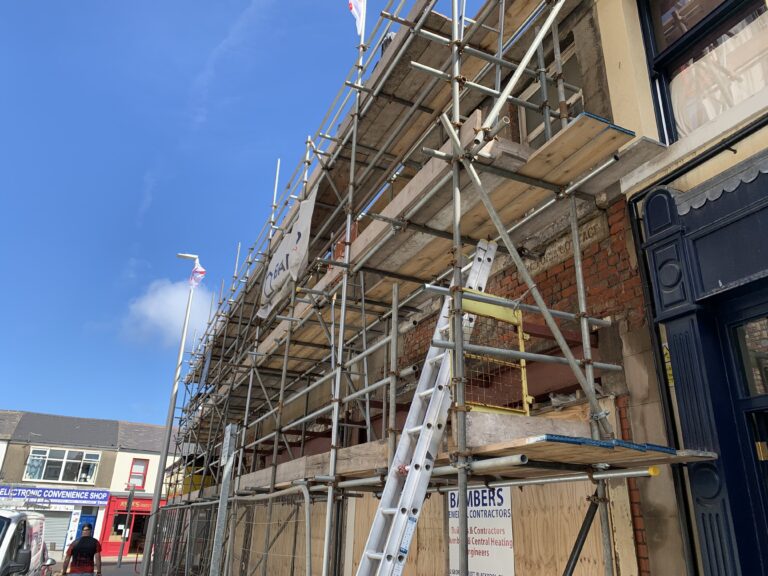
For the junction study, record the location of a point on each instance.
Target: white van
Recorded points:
(22, 546)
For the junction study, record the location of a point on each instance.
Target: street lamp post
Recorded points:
(197, 273)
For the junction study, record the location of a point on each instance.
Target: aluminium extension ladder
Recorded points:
(395, 520)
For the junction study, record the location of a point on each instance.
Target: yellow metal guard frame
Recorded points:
(510, 316)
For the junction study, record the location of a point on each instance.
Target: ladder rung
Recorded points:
(393, 528)
(438, 358)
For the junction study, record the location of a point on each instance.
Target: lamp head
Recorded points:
(185, 256)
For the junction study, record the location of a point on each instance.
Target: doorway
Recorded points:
(138, 533)
(743, 325)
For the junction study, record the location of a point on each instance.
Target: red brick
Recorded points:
(639, 523)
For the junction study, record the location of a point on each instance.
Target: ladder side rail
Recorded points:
(410, 473)
(419, 470)
(419, 473)
(416, 414)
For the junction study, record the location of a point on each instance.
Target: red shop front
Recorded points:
(115, 523)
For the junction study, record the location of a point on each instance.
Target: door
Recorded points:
(744, 328)
(85, 519)
(138, 533)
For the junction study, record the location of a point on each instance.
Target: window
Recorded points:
(706, 57)
(138, 473)
(753, 347)
(17, 543)
(118, 526)
(61, 465)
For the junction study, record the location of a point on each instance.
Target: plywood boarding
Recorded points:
(428, 551)
(545, 522)
(622, 528)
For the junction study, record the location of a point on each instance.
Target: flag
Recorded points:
(357, 7)
(198, 273)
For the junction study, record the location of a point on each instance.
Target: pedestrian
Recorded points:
(84, 554)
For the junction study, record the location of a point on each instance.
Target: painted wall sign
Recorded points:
(561, 249)
(489, 518)
(139, 504)
(40, 495)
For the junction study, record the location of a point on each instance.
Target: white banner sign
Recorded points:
(289, 259)
(74, 521)
(489, 520)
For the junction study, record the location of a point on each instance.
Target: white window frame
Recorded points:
(143, 474)
(89, 456)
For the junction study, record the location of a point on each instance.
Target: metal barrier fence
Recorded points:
(260, 537)
(184, 541)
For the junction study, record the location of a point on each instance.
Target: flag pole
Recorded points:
(197, 274)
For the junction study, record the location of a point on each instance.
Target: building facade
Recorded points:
(77, 471)
(698, 209)
(661, 132)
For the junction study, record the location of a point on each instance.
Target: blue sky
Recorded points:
(130, 131)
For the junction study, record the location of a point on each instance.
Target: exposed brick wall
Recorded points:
(417, 341)
(612, 281)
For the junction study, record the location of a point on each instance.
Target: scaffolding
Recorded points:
(412, 166)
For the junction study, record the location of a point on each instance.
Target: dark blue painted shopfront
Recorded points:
(706, 252)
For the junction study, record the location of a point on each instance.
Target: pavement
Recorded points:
(129, 567)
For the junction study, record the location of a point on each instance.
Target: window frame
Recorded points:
(143, 477)
(64, 460)
(661, 63)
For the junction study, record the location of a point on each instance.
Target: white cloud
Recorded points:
(159, 313)
(147, 195)
(134, 268)
(238, 32)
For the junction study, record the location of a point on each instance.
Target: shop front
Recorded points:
(66, 509)
(708, 265)
(117, 523)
